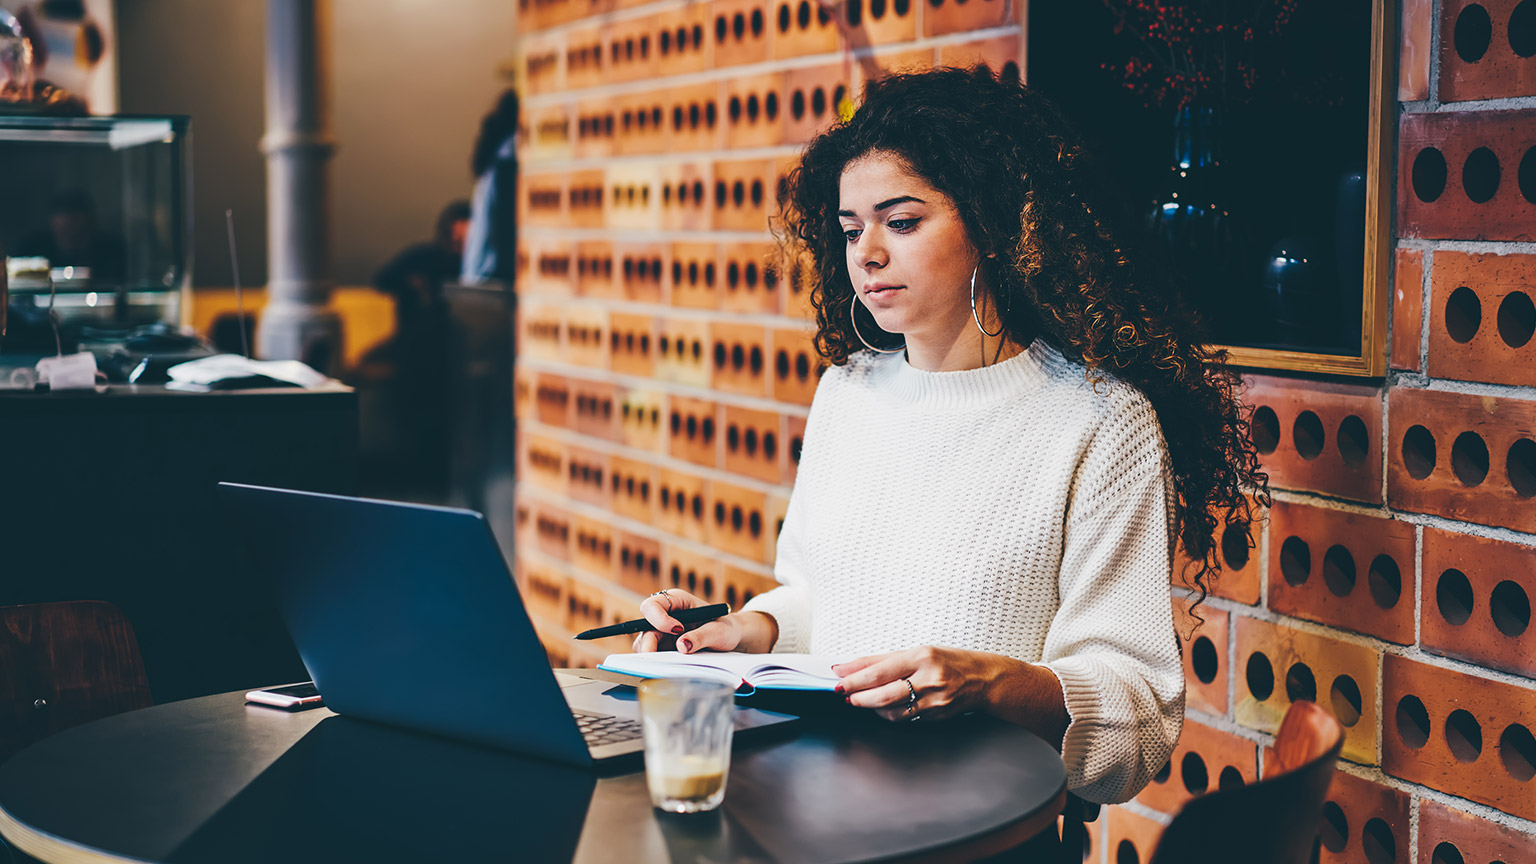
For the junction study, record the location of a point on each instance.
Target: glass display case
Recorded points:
(95, 220)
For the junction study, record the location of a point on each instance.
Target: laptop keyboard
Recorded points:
(601, 729)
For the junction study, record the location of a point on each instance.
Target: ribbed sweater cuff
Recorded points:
(792, 615)
(1080, 686)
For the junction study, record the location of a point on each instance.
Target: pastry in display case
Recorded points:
(95, 231)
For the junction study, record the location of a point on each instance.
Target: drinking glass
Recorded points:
(688, 725)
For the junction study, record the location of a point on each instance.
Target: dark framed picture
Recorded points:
(1250, 145)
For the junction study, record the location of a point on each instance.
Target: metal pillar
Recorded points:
(297, 323)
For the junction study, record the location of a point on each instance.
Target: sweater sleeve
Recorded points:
(1112, 642)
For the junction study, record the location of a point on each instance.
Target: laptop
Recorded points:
(406, 615)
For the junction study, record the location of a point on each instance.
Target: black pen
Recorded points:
(695, 615)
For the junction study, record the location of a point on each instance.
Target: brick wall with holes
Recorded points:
(1392, 580)
(665, 362)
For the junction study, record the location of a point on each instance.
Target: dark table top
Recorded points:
(212, 779)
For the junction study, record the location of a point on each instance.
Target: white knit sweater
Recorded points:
(1014, 509)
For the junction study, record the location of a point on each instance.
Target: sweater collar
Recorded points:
(1017, 375)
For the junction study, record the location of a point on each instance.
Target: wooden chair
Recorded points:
(63, 664)
(1273, 821)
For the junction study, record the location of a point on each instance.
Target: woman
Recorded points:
(1015, 430)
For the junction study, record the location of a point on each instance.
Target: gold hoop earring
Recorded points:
(854, 323)
(974, 314)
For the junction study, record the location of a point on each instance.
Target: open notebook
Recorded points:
(747, 672)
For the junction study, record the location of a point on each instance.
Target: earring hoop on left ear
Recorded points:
(974, 314)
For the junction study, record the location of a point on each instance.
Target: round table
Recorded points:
(216, 780)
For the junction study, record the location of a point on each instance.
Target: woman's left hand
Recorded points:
(946, 681)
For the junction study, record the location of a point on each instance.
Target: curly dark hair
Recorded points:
(1066, 269)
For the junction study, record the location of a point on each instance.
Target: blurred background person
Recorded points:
(401, 381)
(491, 249)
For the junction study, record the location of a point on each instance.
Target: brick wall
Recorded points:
(666, 364)
(666, 367)
(1392, 580)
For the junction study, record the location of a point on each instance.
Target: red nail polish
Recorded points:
(839, 689)
(678, 629)
(685, 645)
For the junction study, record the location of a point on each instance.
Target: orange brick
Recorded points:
(593, 553)
(796, 365)
(1318, 436)
(551, 134)
(552, 401)
(1462, 734)
(1204, 651)
(1238, 544)
(739, 354)
(640, 420)
(794, 434)
(802, 27)
(1478, 59)
(745, 283)
(699, 575)
(1363, 821)
(596, 406)
(686, 190)
(585, 58)
(1003, 54)
(632, 484)
(685, 505)
(585, 196)
(738, 525)
(644, 123)
(694, 115)
(1204, 760)
(880, 22)
(740, 34)
(753, 443)
(553, 527)
(1447, 835)
(544, 463)
(742, 191)
(1457, 172)
(587, 473)
(642, 269)
(1132, 837)
(597, 128)
(683, 40)
(695, 274)
(1350, 570)
(594, 270)
(953, 16)
(543, 590)
(681, 351)
(631, 344)
(1278, 665)
(640, 563)
(583, 605)
(1482, 317)
(1407, 309)
(811, 95)
(1462, 456)
(1477, 600)
(693, 431)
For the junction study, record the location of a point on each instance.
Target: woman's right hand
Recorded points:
(738, 631)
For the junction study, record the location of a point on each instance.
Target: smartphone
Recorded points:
(294, 696)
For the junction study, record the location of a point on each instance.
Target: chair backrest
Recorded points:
(1273, 821)
(63, 664)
